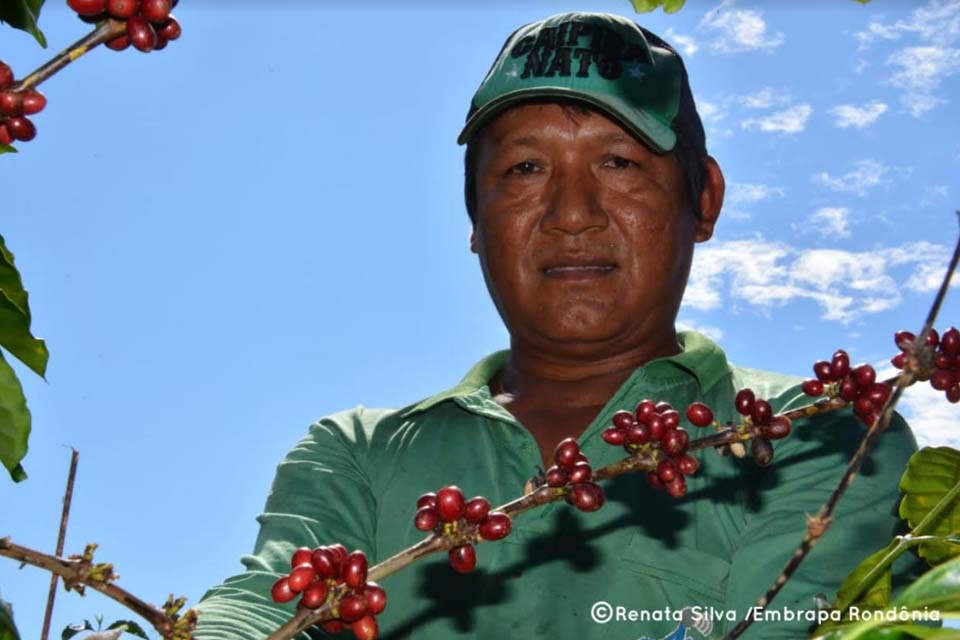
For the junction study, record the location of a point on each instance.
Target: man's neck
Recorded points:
(533, 378)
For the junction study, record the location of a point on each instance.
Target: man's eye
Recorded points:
(619, 162)
(523, 168)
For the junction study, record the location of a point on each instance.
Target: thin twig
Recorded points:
(67, 499)
(73, 573)
(817, 525)
(107, 30)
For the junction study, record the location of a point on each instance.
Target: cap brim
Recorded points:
(651, 131)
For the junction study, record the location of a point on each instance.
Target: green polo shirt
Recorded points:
(356, 476)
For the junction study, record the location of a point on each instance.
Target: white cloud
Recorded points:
(921, 71)
(830, 222)
(937, 22)
(710, 112)
(846, 285)
(764, 98)
(739, 29)
(713, 333)
(792, 120)
(932, 418)
(741, 194)
(865, 175)
(849, 115)
(685, 43)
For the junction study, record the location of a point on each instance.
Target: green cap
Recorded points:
(606, 61)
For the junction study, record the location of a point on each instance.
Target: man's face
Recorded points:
(585, 236)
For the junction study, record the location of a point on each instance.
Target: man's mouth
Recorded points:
(579, 271)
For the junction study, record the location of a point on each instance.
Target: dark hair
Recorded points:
(690, 149)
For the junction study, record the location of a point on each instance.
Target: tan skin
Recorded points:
(585, 239)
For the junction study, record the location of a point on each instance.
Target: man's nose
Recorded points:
(574, 204)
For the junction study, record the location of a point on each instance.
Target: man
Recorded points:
(588, 185)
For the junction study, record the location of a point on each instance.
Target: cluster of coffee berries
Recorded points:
(330, 574)
(654, 428)
(946, 359)
(15, 106)
(572, 470)
(149, 22)
(762, 423)
(448, 513)
(857, 385)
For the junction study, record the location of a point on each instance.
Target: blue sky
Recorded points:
(263, 224)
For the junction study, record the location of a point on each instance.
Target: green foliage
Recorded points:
(938, 588)
(4, 148)
(671, 6)
(128, 627)
(23, 14)
(930, 474)
(878, 593)
(16, 338)
(8, 630)
(646, 6)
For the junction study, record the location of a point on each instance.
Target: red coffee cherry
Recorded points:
(355, 570)
(119, 43)
(762, 412)
(11, 103)
(301, 577)
(376, 598)
(615, 436)
(427, 500)
(566, 452)
(5, 137)
(122, 9)
(638, 434)
(88, 7)
(170, 29)
(671, 419)
(677, 487)
(450, 503)
(33, 102)
(21, 129)
(324, 563)
(667, 471)
(623, 419)
(864, 376)
(338, 553)
(141, 33)
(950, 341)
(779, 427)
(156, 11)
(823, 371)
(476, 509)
(699, 415)
(557, 476)
(744, 401)
(281, 591)
(687, 464)
(314, 595)
(813, 388)
(353, 607)
(495, 526)
(6, 75)
(332, 626)
(586, 496)
(426, 519)
(840, 365)
(463, 558)
(580, 472)
(676, 442)
(365, 628)
(300, 556)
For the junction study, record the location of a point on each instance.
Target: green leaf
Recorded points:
(938, 588)
(23, 14)
(894, 632)
(8, 630)
(5, 148)
(132, 628)
(16, 338)
(10, 282)
(14, 421)
(930, 474)
(74, 629)
(672, 6)
(877, 594)
(645, 6)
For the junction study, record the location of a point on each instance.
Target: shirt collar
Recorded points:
(701, 358)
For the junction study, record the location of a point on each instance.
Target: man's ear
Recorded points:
(711, 199)
(473, 239)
